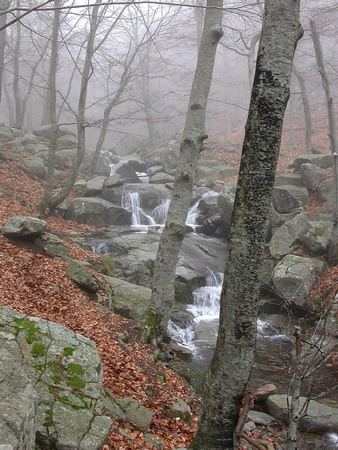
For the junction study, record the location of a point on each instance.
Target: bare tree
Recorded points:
(233, 359)
(333, 243)
(157, 317)
(4, 5)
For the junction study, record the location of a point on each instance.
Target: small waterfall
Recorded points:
(194, 211)
(161, 211)
(143, 176)
(131, 202)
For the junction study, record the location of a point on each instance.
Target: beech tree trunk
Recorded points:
(333, 244)
(157, 317)
(232, 362)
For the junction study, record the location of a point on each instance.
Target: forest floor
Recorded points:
(28, 284)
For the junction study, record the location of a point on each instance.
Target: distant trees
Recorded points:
(232, 362)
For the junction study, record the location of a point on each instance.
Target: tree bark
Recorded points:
(333, 243)
(232, 362)
(157, 317)
(4, 5)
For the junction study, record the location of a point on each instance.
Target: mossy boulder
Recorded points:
(66, 372)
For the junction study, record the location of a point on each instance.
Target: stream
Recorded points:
(274, 344)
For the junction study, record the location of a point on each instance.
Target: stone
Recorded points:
(287, 198)
(154, 169)
(170, 157)
(67, 141)
(6, 134)
(77, 272)
(136, 413)
(285, 238)
(96, 211)
(95, 186)
(322, 160)
(180, 409)
(260, 418)
(113, 181)
(19, 227)
(264, 391)
(312, 176)
(288, 179)
(66, 372)
(208, 173)
(161, 178)
(318, 419)
(294, 276)
(127, 172)
(35, 166)
(18, 404)
(193, 375)
(52, 245)
(182, 353)
(127, 299)
(45, 131)
(325, 192)
(317, 236)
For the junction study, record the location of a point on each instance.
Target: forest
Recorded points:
(169, 224)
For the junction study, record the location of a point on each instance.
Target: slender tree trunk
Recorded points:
(4, 5)
(251, 57)
(307, 112)
(232, 362)
(43, 205)
(333, 244)
(16, 76)
(156, 320)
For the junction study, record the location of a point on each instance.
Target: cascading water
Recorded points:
(161, 211)
(194, 211)
(131, 202)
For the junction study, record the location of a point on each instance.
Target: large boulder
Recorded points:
(18, 404)
(66, 372)
(127, 299)
(293, 278)
(286, 237)
(35, 166)
(161, 178)
(96, 211)
(312, 176)
(19, 227)
(288, 198)
(95, 186)
(325, 191)
(317, 236)
(287, 178)
(321, 160)
(127, 170)
(318, 418)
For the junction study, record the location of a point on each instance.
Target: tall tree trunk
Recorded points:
(307, 112)
(333, 244)
(16, 76)
(43, 205)
(232, 362)
(156, 319)
(4, 5)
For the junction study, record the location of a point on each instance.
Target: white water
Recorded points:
(194, 212)
(131, 202)
(161, 211)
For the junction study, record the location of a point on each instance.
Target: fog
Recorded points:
(142, 66)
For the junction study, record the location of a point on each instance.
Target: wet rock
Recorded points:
(113, 181)
(318, 419)
(26, 227)
(182, 353)
(127, 172)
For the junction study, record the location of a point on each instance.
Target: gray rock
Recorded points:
(113, 181)
(318, 419)
(317, 236)
(19, 227)
(127, 299)
(66, 372)
(27, 139)
(287, 198)
(67, 141)
(260, 418)
(154, 169)
(35, 166)
(52, 245)
(208, 173)
(95, 186)
(325, 191)
(77, 272)
(45, 131)
(161, 178)
(6, 134)
(170, 157)
(96, 211)
(294, 276)
(312, 176)
(285, 237)
(127, 172)
(181, 410)
(288, 179)
(322, 160)
(136, 413)
(18, 403)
